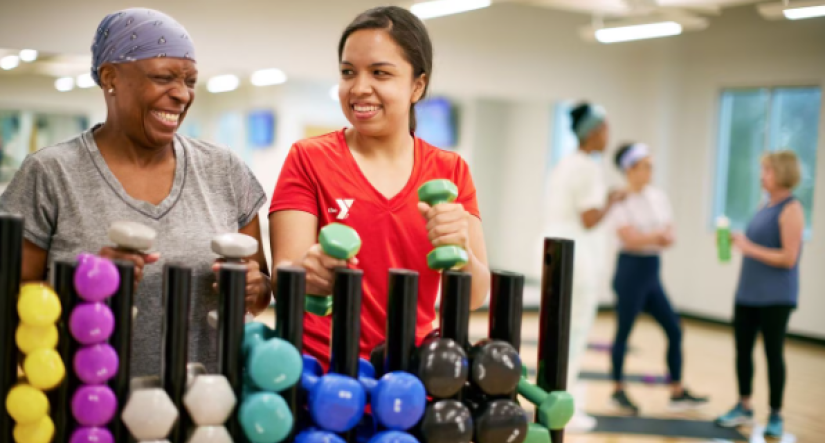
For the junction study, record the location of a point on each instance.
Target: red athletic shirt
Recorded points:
(320, 176)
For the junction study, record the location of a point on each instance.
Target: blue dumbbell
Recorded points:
(397, 399)
(336, 402)
(271, 364)
(393, 437)
(313, 435)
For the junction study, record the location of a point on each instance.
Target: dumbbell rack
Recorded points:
(505, 316)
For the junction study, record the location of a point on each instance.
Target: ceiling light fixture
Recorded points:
(28, 55)
(795, 11)
(222, 83)
(440, 8)
(9, 62)
(268, 77)
(64, 84)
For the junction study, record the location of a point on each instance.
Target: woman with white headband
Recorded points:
(644, 224)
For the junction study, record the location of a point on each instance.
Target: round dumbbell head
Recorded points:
(96, 364)
(255, 333)
(265, 417)
(30, 338)
(41, 431)
(393, 437)
(38, 305)
(317, 436)
(210, 434)
(344, 395)
(274, 365)
(44, 369)
(210, 400)
(339, 241)
(447, 421)
(94, 405)
(501, 420)
(149, 414)
(496, 367)
(234, 245)
(442, 366)
(26, 404)
(91, 323)
(92, 435)
(438, 191)
(96, 279)
(398, 401)
(132, 235)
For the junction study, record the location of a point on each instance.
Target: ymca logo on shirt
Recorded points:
(344, 205)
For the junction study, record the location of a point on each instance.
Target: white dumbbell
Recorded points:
(132, 237)
(209, 400)
(232, 247)
(149, 414)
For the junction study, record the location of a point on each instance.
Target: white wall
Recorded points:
(740, 49)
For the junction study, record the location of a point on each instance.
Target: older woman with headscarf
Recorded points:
(135, 167)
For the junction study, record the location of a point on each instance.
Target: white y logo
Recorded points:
(344, 204)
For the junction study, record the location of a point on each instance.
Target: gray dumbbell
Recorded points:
(232, 247)
(133, 237)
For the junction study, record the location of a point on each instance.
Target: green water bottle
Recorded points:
(723, 243)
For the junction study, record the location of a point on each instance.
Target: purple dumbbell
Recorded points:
(91, 323)
(94, 405)
(95, 279)
(96, 364)
(92, 435)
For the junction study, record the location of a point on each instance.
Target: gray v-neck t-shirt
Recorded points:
(69, 198)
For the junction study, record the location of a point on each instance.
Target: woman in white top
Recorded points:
(644, 224)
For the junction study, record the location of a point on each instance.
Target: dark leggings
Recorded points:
(773, 322)
(639, 289)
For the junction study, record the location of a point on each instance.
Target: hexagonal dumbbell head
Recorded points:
(438, 191)
(339, 241)
(149, 414)
(553, 410)
(210, 434)
(209, 400)
(537, 433)
(132, 236)
(234, 245)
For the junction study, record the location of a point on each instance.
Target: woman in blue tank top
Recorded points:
(768, 287)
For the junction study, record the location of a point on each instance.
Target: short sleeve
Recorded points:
(295, 189)
(466, 188)
(590, 191)
(32, 195)
(249, 194)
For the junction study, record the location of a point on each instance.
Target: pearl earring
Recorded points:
(111, 90)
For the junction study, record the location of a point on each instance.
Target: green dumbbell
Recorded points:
(537, 433)
(553, 410)
(448, 256)
(338, 241)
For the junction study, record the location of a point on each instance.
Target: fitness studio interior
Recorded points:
(719, 100)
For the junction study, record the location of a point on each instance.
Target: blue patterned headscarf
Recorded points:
(594, 117)
(138, 34)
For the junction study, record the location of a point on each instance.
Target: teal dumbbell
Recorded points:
(271, 364)
(448, 256)
(338, 241)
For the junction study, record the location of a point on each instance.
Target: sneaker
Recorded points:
(620, 400)
(687, 401)
(581, 423)
(774, 428)
(737, 416)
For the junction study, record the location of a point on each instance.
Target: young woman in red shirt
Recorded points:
(367, 176)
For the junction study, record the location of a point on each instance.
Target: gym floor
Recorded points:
(709, 370)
